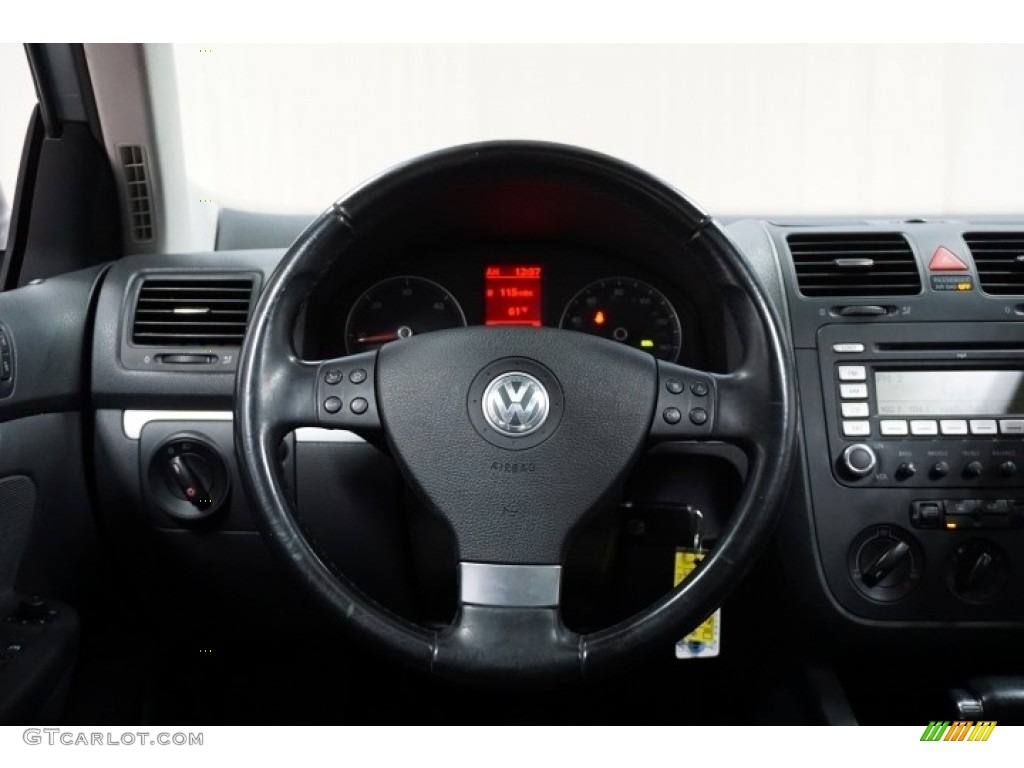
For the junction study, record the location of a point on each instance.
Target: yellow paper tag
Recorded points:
(705, 640)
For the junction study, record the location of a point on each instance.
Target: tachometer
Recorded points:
(398, 308)
(628, 311)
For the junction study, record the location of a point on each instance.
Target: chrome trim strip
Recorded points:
(132, 423)
(510, 586)
(321, 435)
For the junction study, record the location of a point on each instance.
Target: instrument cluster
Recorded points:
(580, 292)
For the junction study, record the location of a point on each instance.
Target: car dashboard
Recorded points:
(903, 527)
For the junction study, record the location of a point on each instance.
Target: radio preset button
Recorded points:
(856, 428)
(853, 391)
(893, 427)
(1011, 426)
(923, 427)
(953, 426)
(852, 373)
(848, 346)
(983, 426)
(855, 410)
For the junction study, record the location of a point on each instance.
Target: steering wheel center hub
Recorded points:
(516, 404)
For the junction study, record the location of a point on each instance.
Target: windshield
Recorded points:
(763, 130)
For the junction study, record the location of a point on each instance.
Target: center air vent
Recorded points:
(199, 311)
(854, 264)
(999, 257)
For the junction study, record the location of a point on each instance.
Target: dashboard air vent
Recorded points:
(200, 311)
(854, 264)
(136, 192)
(999, 257)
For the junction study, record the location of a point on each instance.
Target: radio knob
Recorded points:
(905, 471)
(973, 470)
(858, 460)
(939, 470)
(1008, 469)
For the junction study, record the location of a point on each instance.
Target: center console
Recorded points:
(912, 398)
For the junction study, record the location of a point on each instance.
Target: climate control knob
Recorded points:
(858, 460)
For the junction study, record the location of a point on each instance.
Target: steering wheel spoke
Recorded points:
(508, 625)
(337, 394)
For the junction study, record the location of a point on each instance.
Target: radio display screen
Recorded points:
(949, 393)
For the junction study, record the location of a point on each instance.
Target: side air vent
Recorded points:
(135, 173)
(200, 311)
(999, 257)
(854, 264)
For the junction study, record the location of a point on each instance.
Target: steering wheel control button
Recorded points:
(358, 406)
(852, 373)
(357, 376)
(698, 416)
(332, 377)
(672, 415)
(333, 404)
(699, 388)
(675, 386)
(515, 404)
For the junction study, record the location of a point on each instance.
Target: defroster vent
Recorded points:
(854, 264)
(999, 257)
(199, 311)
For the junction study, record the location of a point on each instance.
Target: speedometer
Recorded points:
(628, 311)
(398, 308)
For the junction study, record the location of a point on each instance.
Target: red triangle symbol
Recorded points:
(944, 260)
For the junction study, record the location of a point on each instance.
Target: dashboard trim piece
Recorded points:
(510, 586)
(132, 422)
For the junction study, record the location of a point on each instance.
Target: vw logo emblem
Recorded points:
(515, 404)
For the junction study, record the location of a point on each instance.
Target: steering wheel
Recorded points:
(513, 435)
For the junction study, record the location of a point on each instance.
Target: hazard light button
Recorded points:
(944, 260)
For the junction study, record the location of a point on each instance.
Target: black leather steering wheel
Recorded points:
(571, 412)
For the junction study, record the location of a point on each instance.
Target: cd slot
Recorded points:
(945, 346)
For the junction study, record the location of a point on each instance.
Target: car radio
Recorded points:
(916, 405)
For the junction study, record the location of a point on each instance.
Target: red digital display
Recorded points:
(512, 295)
